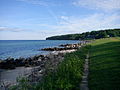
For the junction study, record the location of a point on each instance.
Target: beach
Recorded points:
(10, 76)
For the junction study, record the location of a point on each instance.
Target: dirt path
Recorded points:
(84, 82)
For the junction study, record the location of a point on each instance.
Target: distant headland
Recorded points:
(88, 35)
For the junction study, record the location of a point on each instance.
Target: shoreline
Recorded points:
(25, 49)
(51, 60)
(36, 66)
(33, 60)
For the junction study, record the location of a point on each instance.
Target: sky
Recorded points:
(38, 19)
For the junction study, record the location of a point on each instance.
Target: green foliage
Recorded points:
(88, 35)
(105, 64)
(68, 74)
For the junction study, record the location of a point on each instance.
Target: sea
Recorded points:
(28, 48)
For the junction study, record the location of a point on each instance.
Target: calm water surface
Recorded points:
(27, 48)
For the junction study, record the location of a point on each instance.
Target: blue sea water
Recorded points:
(27, 48)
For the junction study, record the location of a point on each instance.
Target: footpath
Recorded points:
(84, 82)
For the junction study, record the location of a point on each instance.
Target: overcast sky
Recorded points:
(38, 19)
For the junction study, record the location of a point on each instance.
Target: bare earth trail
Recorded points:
(84, 82)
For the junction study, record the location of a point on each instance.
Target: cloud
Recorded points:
(70, 24)
(64, 17)
(89, 23)
(104, 5)
(67, 26)
(12, 29)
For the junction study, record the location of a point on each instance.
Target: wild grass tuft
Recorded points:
(68, 74)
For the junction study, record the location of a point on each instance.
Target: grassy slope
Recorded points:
(105, 64)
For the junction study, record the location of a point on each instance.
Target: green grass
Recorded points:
(68, 74)
(105, 64)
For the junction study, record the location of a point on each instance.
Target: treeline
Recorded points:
(88, 35)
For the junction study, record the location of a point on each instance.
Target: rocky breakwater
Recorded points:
(11, 63)
(63, 47)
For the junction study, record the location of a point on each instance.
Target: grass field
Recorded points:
(105, 64)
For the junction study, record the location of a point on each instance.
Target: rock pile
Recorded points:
(47, 66)
(11, 63)
(63, 47)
